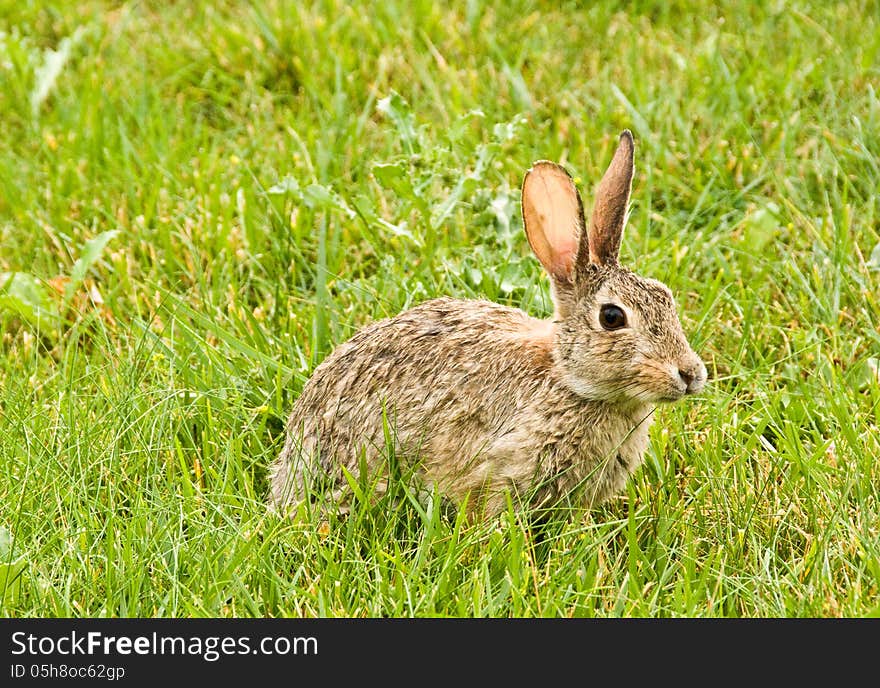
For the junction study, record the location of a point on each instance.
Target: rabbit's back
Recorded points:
(469, 388)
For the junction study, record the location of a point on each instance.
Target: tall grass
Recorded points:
(199, 200)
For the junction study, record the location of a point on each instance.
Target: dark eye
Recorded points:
(612, 317)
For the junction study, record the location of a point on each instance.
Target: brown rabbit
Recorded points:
(483, 398)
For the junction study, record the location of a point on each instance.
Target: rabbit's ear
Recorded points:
(554, 219)
(609, 210)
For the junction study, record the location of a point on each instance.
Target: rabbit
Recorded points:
(484, 399)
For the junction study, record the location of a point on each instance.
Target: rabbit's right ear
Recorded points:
(553, 216)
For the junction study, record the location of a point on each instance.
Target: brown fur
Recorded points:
(481, 398)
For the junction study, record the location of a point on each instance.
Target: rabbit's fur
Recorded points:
(482, 398)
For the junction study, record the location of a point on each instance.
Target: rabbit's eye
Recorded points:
(612, 317)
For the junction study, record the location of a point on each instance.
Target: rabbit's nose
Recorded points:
(693, 376)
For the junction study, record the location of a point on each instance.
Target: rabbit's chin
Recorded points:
(619, 394)
(636, 393)
(668, 398)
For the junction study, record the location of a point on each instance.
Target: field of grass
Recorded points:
(198, 201)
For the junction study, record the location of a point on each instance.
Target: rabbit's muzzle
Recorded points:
(691, 375)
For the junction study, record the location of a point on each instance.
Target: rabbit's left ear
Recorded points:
(609, 208)
(554, 220)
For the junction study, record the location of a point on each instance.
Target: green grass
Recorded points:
(273, 179)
